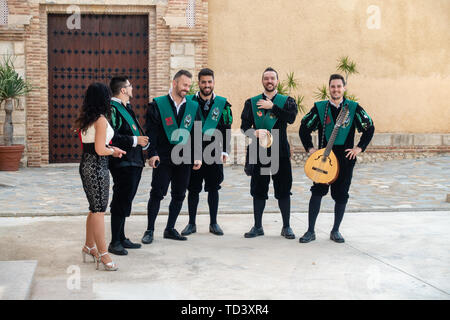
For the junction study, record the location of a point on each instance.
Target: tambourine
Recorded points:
(266, 139)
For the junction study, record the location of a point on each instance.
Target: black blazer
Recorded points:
(159, 143)
(123, 139)
(285, 116)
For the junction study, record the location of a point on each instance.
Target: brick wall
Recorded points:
(173, 45)
(27, 40)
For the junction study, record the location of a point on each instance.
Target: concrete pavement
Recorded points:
(396, 230)
(387, 255)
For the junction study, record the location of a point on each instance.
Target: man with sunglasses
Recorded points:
(126, 171)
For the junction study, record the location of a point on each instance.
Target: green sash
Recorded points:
(169, 120)
(127, 116)
(213, 118)
(267, 120)
(344, 129)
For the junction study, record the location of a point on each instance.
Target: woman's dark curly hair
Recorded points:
(96, 103)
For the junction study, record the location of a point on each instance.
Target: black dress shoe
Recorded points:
(148, 237)
(287, 233)
(173, 234)
(117, 249)
(254, 232)
(214, 228)
(130, 245)
(190, 228)
(336, 237)
(308, 237)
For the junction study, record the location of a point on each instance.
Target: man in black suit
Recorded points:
(268, 114)
(170, 125)
(216, 117)
(126, 171)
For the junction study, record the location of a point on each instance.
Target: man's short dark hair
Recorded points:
(270, 69)
(182, 73)
(117, 83)
(205, 72)
(337, 76)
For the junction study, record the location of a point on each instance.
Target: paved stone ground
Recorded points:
(396, 229)
(399, 185)
(387, 255)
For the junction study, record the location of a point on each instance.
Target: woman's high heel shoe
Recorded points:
(110, 266)
(84, 253)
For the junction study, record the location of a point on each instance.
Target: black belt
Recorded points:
(89, 148)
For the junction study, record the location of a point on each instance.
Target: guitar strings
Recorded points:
(342, 114)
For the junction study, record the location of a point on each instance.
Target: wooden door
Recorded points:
(105, 46)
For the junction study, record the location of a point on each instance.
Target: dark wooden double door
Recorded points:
(105, 46)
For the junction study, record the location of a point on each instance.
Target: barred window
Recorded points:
(190, 14)
(3, 12)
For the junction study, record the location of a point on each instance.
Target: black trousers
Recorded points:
(282, 181)
(211, 174)
(339, 188)
(126, 181)
(168, 173)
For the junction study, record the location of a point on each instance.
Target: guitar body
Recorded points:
(321, 169)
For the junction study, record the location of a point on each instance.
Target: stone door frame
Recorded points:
(172, 46)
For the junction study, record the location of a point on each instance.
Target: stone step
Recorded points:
(16, 278)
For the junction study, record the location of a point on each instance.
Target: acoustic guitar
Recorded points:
(322, 166)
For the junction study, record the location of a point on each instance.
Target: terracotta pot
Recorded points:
(10, 157)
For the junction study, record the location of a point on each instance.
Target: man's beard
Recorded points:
(181, 93)
(206, 94)
(336, 96)
(270, 90)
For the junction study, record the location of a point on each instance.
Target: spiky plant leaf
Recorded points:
(282, 88)
(12, 85)
(291, 82)
(321, 93)
(299, 100)
(350, 96)
(347, 66)
(193, 89)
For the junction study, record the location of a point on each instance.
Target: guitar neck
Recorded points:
(339, 121)
(331, 141)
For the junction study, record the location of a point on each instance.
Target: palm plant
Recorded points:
(193, 88)
(346, 66)
(12, 86)
(285, 88)
(322, 93)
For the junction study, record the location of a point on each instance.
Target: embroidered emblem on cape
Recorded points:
(187, 121)
(346, 121)
(271, 116)
(259, 113)
(169, 121)
(328, 120)
(215, 114)
(134, 127)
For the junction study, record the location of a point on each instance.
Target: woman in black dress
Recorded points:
(96, 133)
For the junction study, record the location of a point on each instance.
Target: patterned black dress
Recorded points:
(94, 171)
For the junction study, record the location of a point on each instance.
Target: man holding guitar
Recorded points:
(339, 140)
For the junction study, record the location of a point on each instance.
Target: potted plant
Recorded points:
(12, 86)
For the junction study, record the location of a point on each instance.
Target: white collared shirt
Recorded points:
(134, 137)
(118, 100)
(179, 105)
(331, 102)
(213, 97)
